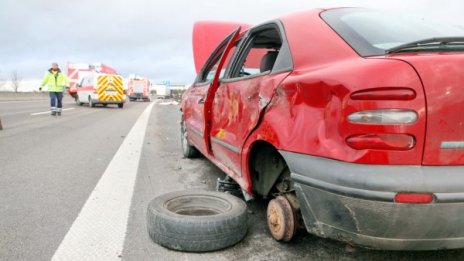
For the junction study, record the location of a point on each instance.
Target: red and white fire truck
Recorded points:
(138, 88)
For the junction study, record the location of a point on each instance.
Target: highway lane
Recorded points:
(49, 166)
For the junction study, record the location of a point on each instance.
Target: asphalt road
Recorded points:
(49, 166)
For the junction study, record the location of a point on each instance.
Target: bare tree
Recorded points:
(2, 82)
(15, 80)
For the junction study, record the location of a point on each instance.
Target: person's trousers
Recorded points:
(56, 99)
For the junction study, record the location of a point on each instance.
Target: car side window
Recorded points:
(209, 70)
(260, 54)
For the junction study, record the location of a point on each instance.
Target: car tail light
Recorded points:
(386, 93)
(384, 116)
(414, 198)
(381, 141)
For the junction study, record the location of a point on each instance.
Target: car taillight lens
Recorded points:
(381, 141)
(385, 116)
(414, 198)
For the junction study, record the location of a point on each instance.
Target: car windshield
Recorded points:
(372, 32)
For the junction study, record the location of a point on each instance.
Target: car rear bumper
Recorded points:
(108, 102)
(138, 96)
(355, 203)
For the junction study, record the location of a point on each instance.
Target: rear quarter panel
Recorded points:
(308, 112)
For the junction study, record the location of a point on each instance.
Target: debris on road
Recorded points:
(197, 220)
(169, 103)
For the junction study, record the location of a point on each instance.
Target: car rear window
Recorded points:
(372, 32)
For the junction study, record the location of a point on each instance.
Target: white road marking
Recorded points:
(48, 112)
(99, 231)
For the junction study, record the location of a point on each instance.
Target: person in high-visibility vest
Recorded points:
(57, 82)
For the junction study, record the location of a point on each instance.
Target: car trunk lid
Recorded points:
(442, 76)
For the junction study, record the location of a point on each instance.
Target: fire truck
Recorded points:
(77, 71)
(138, 88)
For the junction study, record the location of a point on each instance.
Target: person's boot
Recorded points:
(53, 113)
(58, 113)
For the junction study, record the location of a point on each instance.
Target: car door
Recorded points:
(199, 97)
(240, 99)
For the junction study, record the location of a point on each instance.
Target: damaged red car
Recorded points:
(349, 120)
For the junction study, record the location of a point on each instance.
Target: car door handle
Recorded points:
(201, 101)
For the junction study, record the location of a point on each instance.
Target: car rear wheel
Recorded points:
(188, 150)
(197, 221)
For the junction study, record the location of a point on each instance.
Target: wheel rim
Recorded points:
(280, 219)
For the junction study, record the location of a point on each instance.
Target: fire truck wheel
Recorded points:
(196, 220)
(121, 105)
(189, 151)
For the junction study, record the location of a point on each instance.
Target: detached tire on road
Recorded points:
(197, 221)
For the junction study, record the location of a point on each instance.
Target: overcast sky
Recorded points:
(148, 37)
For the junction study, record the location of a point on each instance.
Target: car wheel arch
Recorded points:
(265, 167)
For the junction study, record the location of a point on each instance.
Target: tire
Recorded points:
(188, 150)
(197, 221)
(120, 105)
(76, 99)
(91, 104)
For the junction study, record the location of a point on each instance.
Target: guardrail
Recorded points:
(23, 96)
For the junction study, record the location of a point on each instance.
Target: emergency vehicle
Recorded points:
(138, 88)
(100, 88)
(77, 71)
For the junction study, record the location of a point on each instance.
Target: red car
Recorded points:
(348, 118)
